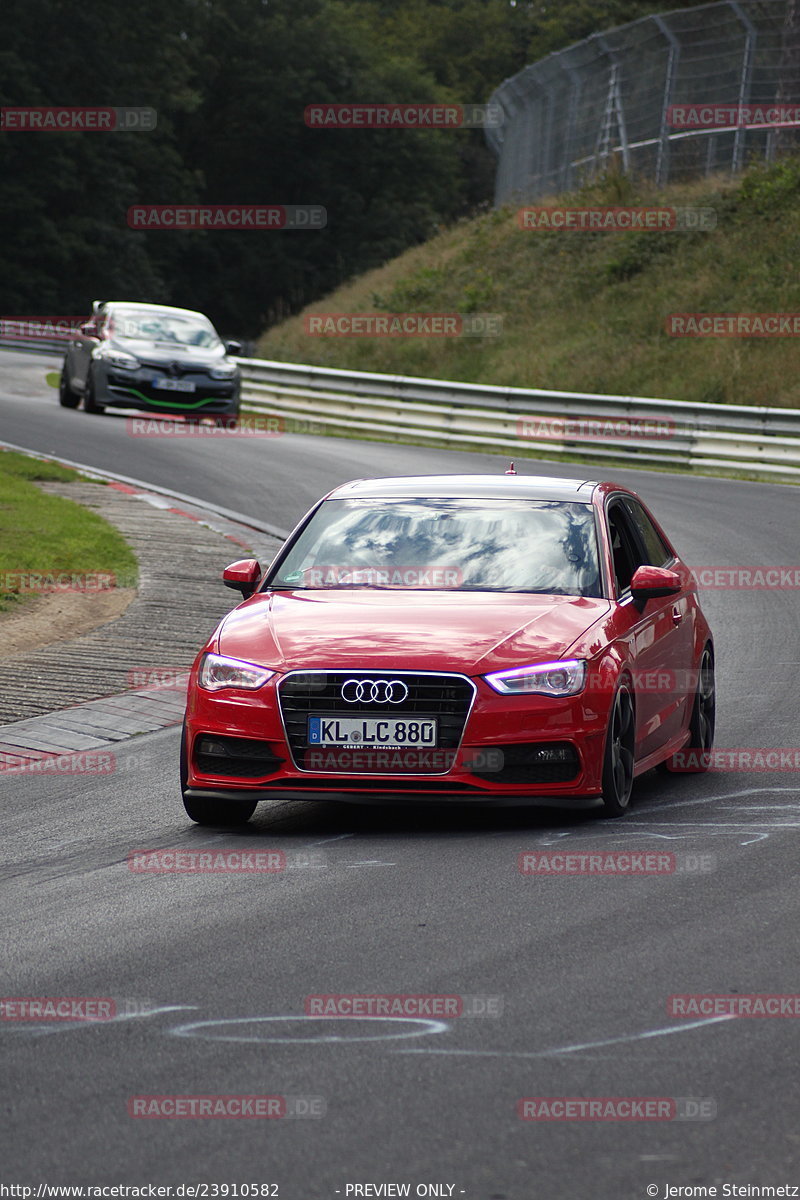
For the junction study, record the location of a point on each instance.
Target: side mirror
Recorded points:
(233, 347)
(243, 576)
(649, 583)
(87, 329)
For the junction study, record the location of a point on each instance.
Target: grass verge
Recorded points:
(586, 311)
(47, 535)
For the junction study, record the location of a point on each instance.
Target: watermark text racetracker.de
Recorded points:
(409, 324)
(619, 219)
(263, 217)
(747, 759)
(38, 119)
(180, 861)
(564, 429)
(50, 328)
(747, 578)
(615, 862)
(403, 1005)
(57, 1008)
(616, 1108)
(381, 116)
(336, 574)
(189, 862)
(757, 1004)
(251, 425)
(30, 582)
(366, 759)
(83, 762)
(145, 678)
(226, 1107)
(732, 116)
(733, 325)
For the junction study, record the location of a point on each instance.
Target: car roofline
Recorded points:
(107, 305)
(463, 486)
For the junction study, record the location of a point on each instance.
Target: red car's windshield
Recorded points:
(462, 544)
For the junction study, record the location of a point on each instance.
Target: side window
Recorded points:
(624, 546)
(657, 553)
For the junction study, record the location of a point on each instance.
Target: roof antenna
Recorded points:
(511, 470)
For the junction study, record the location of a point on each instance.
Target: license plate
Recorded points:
(173, 385)
(389, 732)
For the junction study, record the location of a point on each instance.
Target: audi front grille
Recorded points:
(447, 698)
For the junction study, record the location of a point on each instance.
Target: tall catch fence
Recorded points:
(668, 97)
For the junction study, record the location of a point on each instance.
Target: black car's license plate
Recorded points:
(173, 385)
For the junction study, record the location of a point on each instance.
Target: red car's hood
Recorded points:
(473, 632)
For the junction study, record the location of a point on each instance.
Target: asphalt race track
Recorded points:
(209, 972)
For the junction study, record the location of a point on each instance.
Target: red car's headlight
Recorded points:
(544, 679)
(217, 671)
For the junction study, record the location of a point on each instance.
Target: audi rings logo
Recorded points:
(374, 691)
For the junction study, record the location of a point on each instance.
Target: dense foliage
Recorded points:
(230, 80)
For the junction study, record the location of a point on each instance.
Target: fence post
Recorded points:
(745, 80)
(507, 170)
(662, 161)
(565, 178)
(613, 109)
(548, 170)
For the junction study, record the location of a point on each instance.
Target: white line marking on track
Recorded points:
(759, 807)
(369, 862)
(429, 1026)
(41, 1030)
(723, 824)
(579, 1046)
(671, 804)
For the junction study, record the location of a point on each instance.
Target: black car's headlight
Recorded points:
(117, 358)
(544, 679)
(217, 671)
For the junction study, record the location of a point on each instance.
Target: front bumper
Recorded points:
(136, 390)
(514, 749)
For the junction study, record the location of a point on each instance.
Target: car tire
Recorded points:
(66, 397)
(701, 723)
(222, 813)
(618, 758)
(90, 404)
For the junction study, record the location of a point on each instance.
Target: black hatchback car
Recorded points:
(151, 358)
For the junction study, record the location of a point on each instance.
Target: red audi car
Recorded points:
(454, 637)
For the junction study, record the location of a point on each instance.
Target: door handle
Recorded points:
(677, 615)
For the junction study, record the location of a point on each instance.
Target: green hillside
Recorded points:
(586, 311)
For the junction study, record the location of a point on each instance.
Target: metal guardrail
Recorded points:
(637, 429)
(47, 345)
(473, 415)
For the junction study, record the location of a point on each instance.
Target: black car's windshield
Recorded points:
(172, 328)
(462, 544)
